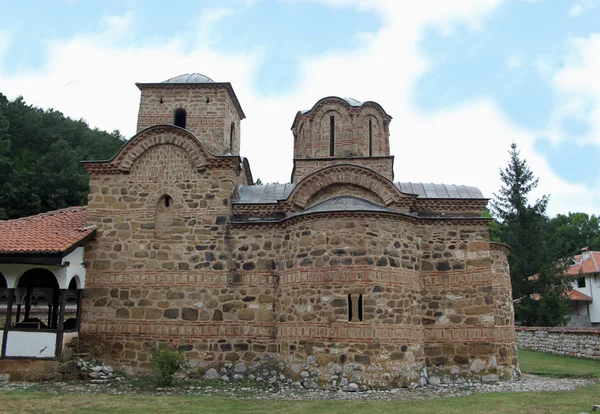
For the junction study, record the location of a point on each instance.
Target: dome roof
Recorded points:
(190, 78)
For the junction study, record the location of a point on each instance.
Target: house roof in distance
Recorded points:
(587, 262)
(53, 232)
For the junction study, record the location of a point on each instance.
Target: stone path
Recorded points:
(528, 383)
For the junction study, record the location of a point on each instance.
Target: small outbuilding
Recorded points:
(42, 275)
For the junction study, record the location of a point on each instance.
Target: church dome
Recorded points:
(190, 78)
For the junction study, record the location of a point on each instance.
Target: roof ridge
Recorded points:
(45, 214)
(594, 260)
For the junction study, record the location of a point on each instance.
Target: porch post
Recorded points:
(7, 323)
(18, 313)
(55, 306)
(61, 320)
(49, 315)
(28, 301)
(78, 317)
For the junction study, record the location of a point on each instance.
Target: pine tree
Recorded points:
(524, 227)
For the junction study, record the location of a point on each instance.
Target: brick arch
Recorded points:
(348, 174)
(160, 135)
(164, 135)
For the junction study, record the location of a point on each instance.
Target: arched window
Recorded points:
(179, 117)
(164, 216)
(355, 307)
(231, 132)
(370, 138)
(331, 135)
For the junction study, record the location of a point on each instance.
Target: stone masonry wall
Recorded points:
(459, 305)
(209, 113)
(579, 343)
(143, 287)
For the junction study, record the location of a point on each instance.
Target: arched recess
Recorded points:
(75, 283)
(348, 174)
(38, 288)
(163, 221)
(3, 282)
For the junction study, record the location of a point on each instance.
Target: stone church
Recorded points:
(341, 275)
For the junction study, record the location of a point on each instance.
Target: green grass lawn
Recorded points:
(576, 401)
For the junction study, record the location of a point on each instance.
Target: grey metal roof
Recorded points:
(345, 203)
(430, 190)
(258, 194)
(190, 78)
(271, 193)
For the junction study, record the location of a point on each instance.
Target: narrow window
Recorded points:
(179, 117)
(360, 308)
(349, 307)
(331, 135)
(370, 138)
(164, 218)
(231, 132)
(581, 282)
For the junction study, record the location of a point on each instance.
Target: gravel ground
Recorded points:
(527, 383)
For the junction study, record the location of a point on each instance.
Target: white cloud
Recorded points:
(90, 77)
(579, 8)
(205, 31)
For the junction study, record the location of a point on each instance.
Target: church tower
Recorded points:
(208, 109)
(342, 131)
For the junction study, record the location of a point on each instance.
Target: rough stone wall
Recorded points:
(460, 305)
(381, 165)
(580, 343)
(142, 286)
(209, 113)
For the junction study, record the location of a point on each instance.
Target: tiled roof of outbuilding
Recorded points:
(47, 233)
(271, 193)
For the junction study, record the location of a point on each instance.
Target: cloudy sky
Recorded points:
(461, 78)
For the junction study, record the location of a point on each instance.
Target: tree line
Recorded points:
(40, 154)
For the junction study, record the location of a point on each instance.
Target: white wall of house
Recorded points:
(591, 289)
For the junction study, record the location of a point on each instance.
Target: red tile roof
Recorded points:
(587, 265)
(47, 233)
(576, 295)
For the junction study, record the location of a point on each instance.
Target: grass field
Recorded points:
(580, 400)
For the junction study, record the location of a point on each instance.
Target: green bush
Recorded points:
(166, 361)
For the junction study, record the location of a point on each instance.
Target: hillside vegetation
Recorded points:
(40, 154)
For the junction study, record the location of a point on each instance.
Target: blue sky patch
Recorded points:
(284, 32)
(511, 60)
